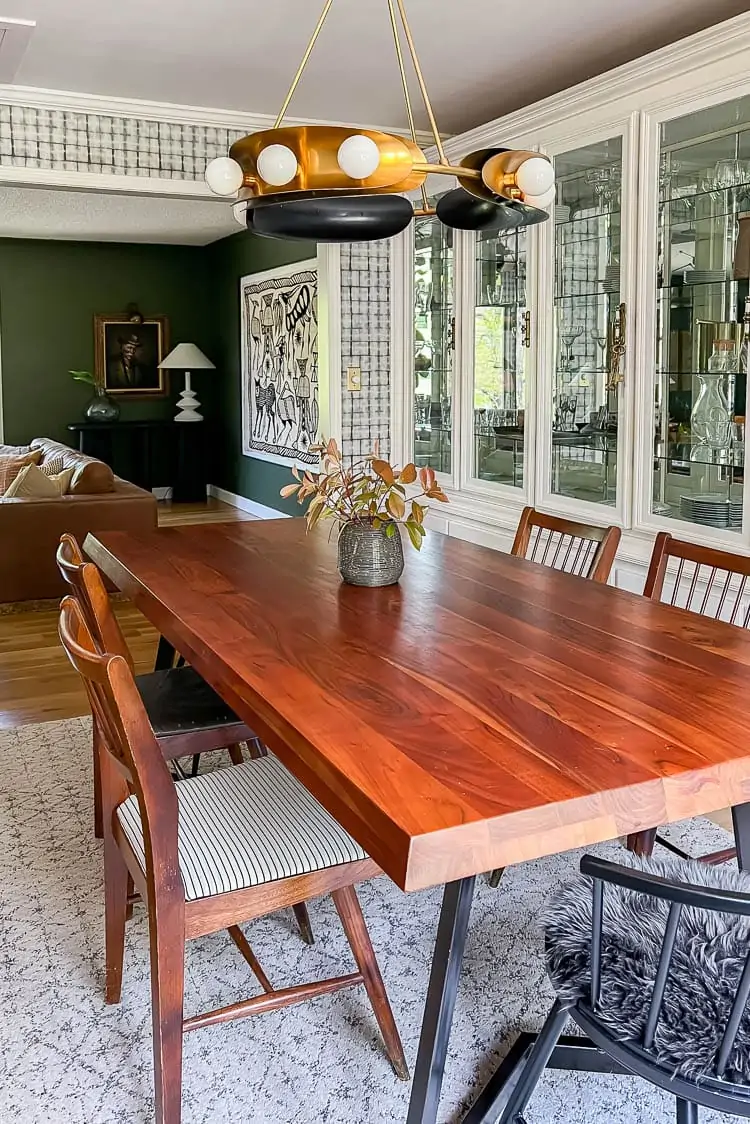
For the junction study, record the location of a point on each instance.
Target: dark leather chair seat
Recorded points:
(180, 703)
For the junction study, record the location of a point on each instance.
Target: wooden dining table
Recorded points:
(482, 712)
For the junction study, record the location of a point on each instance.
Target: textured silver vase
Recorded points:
(367, 556)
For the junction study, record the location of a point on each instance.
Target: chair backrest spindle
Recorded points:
(734, 1020)
(596, 942)
(662, 973)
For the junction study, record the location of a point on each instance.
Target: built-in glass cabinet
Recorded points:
(596, 365)
(703, 265)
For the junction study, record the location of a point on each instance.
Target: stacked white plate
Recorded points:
(611, 282)
(712, 509)
(705, 276)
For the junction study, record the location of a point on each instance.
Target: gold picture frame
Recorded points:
(128, 350)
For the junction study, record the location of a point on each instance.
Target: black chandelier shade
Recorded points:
(343, 218)
(463, 211)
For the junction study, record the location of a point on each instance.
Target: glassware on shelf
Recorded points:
(568, 337)
(565, 413)
(605, 181)
(711, 418)
(668, 169)
(600, 339)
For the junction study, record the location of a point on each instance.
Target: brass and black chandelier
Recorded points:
(335, 183)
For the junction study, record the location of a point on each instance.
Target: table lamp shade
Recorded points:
(187, 357)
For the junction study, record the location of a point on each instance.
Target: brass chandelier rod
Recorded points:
(405, 85)
(399, 55)
(303, 64)
(422, 84)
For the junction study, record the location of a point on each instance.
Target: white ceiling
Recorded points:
(481, 57)
(31, 212)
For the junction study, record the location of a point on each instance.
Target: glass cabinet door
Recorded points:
(589, 324)
(501, 340)
(700, 388)
(433, 344)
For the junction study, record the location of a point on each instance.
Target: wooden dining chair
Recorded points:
(577, 548)
(187, 716)
(713, 583)
(251, 840)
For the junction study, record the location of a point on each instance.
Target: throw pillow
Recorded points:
(33, 483)
(11, 466)
(53, 465)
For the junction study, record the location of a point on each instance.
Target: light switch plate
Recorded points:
(354, 378)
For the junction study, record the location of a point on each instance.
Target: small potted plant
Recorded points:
(370, 502)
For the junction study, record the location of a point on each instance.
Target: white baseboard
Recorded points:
(259, 510)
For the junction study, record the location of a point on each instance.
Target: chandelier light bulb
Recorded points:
(358, 157)
(239, 212)
(541, 201)
(224, 176)
(277, 165)
(535, 176)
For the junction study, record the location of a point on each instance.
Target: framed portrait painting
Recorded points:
(128, 353)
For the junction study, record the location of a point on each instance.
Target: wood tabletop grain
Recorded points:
(484, 711)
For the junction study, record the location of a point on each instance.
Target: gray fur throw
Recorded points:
(708, 959)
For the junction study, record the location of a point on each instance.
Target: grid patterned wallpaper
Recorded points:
(365, 343)
(88, 142)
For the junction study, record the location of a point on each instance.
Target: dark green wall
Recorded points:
(228, 261)
(49, 294)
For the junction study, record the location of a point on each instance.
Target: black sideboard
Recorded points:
(152, 454)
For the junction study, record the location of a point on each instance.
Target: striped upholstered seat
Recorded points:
(245, 826)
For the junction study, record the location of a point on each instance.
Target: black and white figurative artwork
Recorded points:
(280, 388)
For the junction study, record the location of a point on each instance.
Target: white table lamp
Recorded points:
(187, 357)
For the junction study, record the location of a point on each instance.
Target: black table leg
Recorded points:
(164, 655)
(441, 1001)
(741, 821)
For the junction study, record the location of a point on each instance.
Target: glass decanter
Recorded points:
(710, 419)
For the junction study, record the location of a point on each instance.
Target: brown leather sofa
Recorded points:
(30, 529)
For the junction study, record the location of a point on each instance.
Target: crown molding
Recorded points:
(633, 79)
(169, 112)
(108, 184)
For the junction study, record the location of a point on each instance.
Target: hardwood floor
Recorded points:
(212, 511)
(37, 684)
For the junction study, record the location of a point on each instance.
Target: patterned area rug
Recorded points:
(65, 1057)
